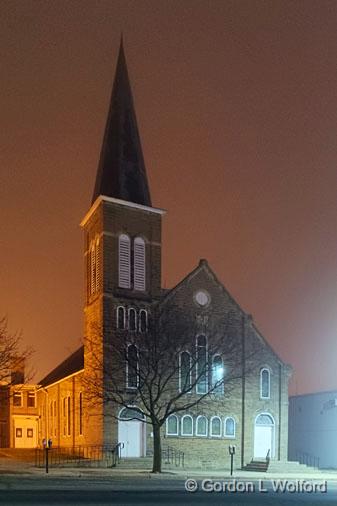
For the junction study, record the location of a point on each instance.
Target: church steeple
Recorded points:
(121, 171)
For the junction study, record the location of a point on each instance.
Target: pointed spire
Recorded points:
(121, 171)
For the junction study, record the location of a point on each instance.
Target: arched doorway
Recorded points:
(131, 432)
(264, 436)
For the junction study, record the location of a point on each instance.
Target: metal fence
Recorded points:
(96, 456)
(79, 456)
(307, 459)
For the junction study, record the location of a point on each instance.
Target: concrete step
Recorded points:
(257, 466)
(289, 466)
(135, 463)
(21, 454)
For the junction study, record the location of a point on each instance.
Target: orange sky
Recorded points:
(237, 109)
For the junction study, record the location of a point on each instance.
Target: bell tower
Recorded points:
(122, 231)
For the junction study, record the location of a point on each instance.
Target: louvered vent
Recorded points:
(98, 266)
(124, 261)
(139, 264)
(92, 269)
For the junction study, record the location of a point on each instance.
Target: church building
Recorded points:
(122, 258)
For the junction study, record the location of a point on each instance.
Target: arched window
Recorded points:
(132, 366)
(185, 371)
(121, 317)
(172, 425)
(132, 319)
(215, 426)
(124, 267)
(217, 374)
(187, 425)
(229, 427)
(201, 426)
(265, 383)
(131, 413)
(201, 372)
(264, 419)
(80, 416)
(139, 264)
(142, 320)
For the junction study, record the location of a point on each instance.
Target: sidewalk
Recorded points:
(11, 467)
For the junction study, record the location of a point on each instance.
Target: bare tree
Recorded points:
(169, 365)
(12, 357)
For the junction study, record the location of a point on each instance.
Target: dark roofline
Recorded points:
(323, 392)
(72, 364)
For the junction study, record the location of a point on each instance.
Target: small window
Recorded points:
(124, 261)
(187, 425)
(30, 432)
(265, 383)
(215, 426)
(132, 366)
(132, 319)
(142, 320)
(172, 425)
(229, 427)
(31, 400)
(139, 264)
(201, 426)
(121, 317)
(18, 432)
(185, 372)
(17, 399)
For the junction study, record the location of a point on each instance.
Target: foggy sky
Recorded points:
(236, 105)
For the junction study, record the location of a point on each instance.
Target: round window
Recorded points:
(202, 298)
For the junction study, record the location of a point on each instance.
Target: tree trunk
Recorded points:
(156, 467)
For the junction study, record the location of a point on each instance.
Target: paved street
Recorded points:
(49, 490)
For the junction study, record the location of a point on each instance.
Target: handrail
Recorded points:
(116, 453)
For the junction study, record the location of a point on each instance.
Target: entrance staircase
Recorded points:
(144, 463)
(258, 466)
(278, 467)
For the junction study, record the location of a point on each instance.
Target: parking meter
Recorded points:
(231, 450)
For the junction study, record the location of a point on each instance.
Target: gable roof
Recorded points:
(73, 363)
(203, 265)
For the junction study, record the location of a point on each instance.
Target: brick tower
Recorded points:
(122, 241)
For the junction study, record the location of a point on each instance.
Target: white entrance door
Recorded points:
(130, 433)
(262, 441)
(25, 432)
